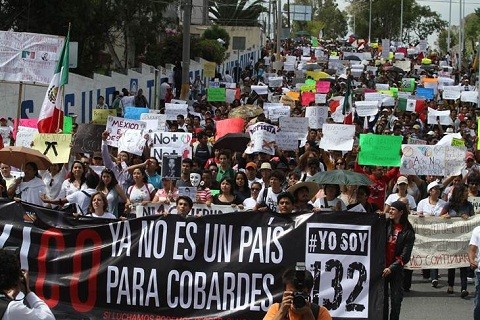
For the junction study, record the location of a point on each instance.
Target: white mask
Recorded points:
(195, 179)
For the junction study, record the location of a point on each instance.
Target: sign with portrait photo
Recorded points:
(171, 166)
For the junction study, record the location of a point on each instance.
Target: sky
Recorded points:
(440, 6)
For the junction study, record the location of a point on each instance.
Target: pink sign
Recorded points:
(323, 87)
(307, 98)
(30, 123)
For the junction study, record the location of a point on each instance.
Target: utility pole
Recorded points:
(187, 17)
(279, 28)
(370, 22)
(401, 22)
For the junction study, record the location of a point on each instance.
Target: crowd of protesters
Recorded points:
(280, 182)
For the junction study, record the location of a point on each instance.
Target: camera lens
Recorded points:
(299, 300)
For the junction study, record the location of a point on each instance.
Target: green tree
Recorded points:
(335, 20)
(216, 32)
(472, 31)
(443, 38)
(236, 12)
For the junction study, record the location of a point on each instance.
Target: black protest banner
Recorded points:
(225, 266)
(88, 138)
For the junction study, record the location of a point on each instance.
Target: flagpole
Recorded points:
(19, 106)
(59, 120)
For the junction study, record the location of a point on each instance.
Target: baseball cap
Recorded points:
(433, 185)
(469, 155)
(416, 126)
(251, 165)
(266, 165)
(402, 179)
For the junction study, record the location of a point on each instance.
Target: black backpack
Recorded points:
(4, 301)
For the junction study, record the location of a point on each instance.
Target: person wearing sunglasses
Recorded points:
(251, 202)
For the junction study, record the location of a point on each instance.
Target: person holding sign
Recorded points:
(168, 194)
(400, 239)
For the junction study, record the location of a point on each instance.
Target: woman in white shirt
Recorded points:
(75, 181)
(30, 187)
(330, 202)
(99, 205)
(141, 192)
(402, 185)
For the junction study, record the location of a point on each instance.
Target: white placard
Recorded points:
(230, 95)
(373, 96)
(382, 86)
(444, 117)
(172, 110)
(116, 126)
(262, 138)
(337, 137)
(387, 100)
(366, 108)
(275, 82)
(316, 116)
(276, 112)
(297, 126)
(25, 136)
(287, 141)
(469, 96)
(451, 94)
(132, 141)
(320, 98)
(260, 89)
(149, 117)
(177, 101)
(453, 88)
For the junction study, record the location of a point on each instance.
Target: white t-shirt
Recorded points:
(428, 209)
(394, 197)
(17, 309)
(270, 199)
(106, 215)
(81, 199)
(327, 205)
(30, 191)
(137, 195)
(475, 241)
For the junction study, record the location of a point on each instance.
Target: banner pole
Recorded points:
(19, 105)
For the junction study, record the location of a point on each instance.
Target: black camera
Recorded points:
(300, 297)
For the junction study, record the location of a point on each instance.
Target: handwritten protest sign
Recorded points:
(427, 93)
(177, 143)
(321, 98)
(25, 136)
(323, 86)
(260, 89)
(134, 113)
(443, 116)
(454, 162)
(116, 126)
(100, 116)
(316, 116)
(456, 142)
(373, 96)
(216, 94)
(469, 96)
(287, 140)
(55, 146)
(262, 136)
(275, 82)
(132, 141)
(423, 160)
(307, 98)
(159, 118)
(5, 133)
(295, 126)
(380, 150)
(366, 108)
(382, 86)
(209, 69)
(197, 209)
(278, 111)
(408, 84)
(476, 204)
(450, 95)
(337, 137)
(88, 138)
(416, 141)
(173, 110)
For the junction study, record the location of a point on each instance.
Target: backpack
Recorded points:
(4, 302)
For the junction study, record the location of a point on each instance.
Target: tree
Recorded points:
(443, 37)
(215, 32)
(334, 19)
(236, 12)
(472, 31)
(418, 21)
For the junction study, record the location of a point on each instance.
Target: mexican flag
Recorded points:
(50, 119)
(413, 105)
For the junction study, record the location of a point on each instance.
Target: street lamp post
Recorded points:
(401, 21)
(370, 22)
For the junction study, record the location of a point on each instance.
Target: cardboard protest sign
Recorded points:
(443, 116)
(25, 136)
(296, 126)
(287, 141)
(159, 118)
(450, 94)
(323, 87)
(366, 108)
(262, 138)
(278, 111)
(132, 141)
(173, 110)
(427, 93)
(209, 69)
(337, 137)
(177, 143)
(260, 89)
(408, 84)
(423, 160)
(469, 96)
(307, 98)
(100, 116)
(116, 126)
(380, 150)
(133, 113)
(216, 94)
(56, 146)
(88, 138)
(316, 116)
(67, 124)
(373, 96)
(320, 98)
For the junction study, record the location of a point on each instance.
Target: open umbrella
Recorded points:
(245, 112)
(233, 141)
(19, 156)
(345, 177)
(352, 58)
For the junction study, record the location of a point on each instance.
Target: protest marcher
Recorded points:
(167, 194)
(21, 302)
(6, 172)
(303, 193)
(380, 179)
(98, 207)
(184, 180)
(225, 168)
(30, 188)
(141, 192)
(348, 194)
(402, 185)
(285, 203)
(267, 199)
(151, 169)
(227, 195)
(251, 172)
(101, 103)
(140, 100)
(75, 179)
(119, 167)
(183, 206)
(53, 179)
(241, 189)
(251, 202)
(474, 259)
(265, 173)
(400, 239)
(331, 201)
(286, 309)
(202, 149)
(109, 186)
(458, 206)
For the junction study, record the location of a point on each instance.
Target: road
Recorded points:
(424, 302)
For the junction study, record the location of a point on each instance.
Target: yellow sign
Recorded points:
(55, 146)
(100, 116)
(209, 69)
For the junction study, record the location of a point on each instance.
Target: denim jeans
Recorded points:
(476, 310)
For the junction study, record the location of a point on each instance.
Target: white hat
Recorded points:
(430, 133)
(433, 185)
(266, 165)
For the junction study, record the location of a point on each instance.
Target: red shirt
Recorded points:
(391, 244)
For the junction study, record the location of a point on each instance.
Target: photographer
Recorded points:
(15, 304)
(296, 305)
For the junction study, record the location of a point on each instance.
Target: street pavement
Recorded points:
(424, 302)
